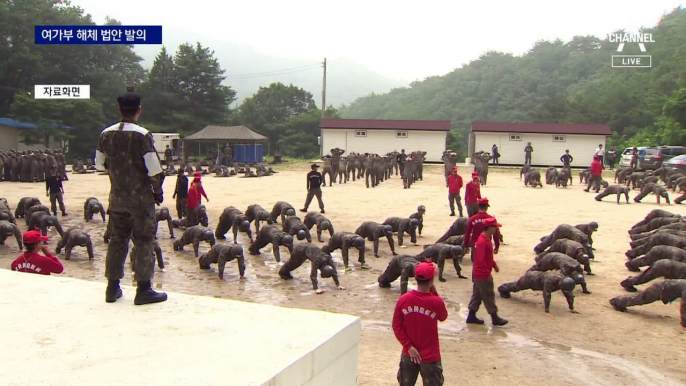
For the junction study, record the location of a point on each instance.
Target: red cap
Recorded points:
(454, 168)
(490, 222)
(424, 271)
(32, 237)
(483, 201)
(475, 175)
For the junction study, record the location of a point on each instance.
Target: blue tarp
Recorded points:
(29, 126)
(248, 153)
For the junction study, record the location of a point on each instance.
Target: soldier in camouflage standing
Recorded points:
(127, 152)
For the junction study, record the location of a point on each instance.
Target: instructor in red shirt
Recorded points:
(472, 194)
(192, 203)
(33, 262)
(475, 226)
(454, 184)
(596, 175)
(483, 289)
(415, 324)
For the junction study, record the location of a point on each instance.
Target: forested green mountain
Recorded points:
(556, 81)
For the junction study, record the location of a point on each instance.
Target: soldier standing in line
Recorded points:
(314, 188)
(401, 159)
(527, 153)
(127, 152)
(168, 158)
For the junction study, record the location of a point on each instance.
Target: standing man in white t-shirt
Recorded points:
(600, 152)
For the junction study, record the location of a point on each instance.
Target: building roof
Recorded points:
(28, 126)
(226, 134)
(385, 124)
(540, 128)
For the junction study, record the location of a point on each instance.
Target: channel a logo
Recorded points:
(631, 61)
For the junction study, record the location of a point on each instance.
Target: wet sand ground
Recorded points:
(599, 345)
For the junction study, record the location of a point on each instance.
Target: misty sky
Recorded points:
(400, 39)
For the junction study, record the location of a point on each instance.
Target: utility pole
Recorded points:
(324, 92)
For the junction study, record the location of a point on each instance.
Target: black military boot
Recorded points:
(146, 295)
(472, 319)
(113, 292)
(497, 320)
(627, 286)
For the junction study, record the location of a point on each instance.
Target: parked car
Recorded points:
(678, 164)
(625, 159)
(655, 155)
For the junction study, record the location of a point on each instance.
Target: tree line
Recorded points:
(183, 92)
(556, 82)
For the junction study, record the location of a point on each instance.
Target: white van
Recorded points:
(164, 139)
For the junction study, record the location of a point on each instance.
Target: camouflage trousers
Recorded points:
(483, 292)
(432, 372)
(192, 217)
(314, 193)
(181, 207)
(472, 209)
(647, 296)
(668, 269)
(54, 199)
(515, 286)
(594, 183)
(136, 224)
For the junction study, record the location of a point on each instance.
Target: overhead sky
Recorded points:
(400, 39)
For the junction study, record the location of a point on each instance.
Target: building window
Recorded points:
(360, 133)
(559, 138)
(515, 137)
(401, 134)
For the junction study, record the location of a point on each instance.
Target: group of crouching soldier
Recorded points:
(373, 168)
(647, 182)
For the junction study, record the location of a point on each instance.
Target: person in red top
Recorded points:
(192, 203)
(415, 324)
(596, 175)
(472, 194)
(454, 184)
(201, 190)
(475, 226)
(481, 276)
(33, 262)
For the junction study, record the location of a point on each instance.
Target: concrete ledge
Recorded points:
(59, 331)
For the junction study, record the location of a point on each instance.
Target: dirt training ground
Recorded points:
(599, 345)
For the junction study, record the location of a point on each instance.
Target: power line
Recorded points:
(275, 72)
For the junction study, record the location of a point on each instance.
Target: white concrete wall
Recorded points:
(546, 151)
(59, 331)
(384, 141)
(10, 138)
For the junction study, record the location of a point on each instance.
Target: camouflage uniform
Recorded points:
(221, 254)
(280, 209)
(656, 253)
(640, 241)
(8, 229)
(568, 266)
(533, 178)
(403, 225)
(162, 214)
(563, 231)
(438, 253)
(157, 255)
(271, 234)
(42, 220)
(194, 235)
(5, 213)
(614, 189)
(548, 282)
(322, 223)
(454, 240)
(654, 224)
(653, 214)
(73, 237)
(233, 219)
(668, 269)
(373, 232)
(34, 209)
(344, 241)
(588, 230)
(459, 227)
(656, 239)
(293, 225)
(126, 151)
(679, 226)
(574, 250)
(257, 214)
(400, 266)
(24, 204)
(92, 206)
(420, 218)
(660, 191)
(318, 258)
(667, 291)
